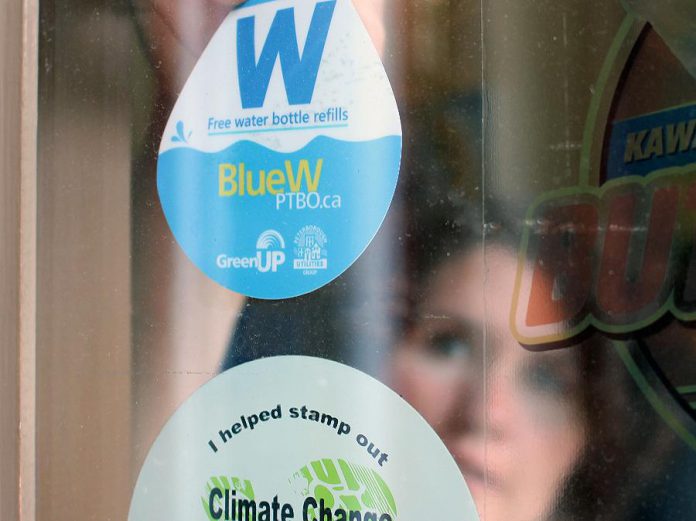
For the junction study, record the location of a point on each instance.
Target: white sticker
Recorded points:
(281, 156)
(298, 438)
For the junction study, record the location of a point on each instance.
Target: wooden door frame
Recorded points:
(18, 110)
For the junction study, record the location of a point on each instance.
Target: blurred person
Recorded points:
(561, 434)
(519, 433)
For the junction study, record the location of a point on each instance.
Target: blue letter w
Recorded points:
(299, 72)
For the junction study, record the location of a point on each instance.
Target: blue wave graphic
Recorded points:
(207, 225)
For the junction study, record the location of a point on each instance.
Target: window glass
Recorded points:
(529, 292)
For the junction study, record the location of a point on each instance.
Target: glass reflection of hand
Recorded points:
(176, 32)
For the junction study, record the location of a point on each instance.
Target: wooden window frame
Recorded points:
(18, 111)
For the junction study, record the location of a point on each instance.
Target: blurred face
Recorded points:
(510, 417)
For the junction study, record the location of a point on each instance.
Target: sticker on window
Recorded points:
(281, 156)
(323, 441)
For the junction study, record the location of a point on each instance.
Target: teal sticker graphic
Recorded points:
(296, 438)
(281, 156)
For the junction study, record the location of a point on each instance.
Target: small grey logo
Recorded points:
(310, 250)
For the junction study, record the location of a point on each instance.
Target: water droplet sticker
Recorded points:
(322, 442)
(281, 156)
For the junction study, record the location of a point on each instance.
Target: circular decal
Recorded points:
(651, 141)
(281, 156)
(616, 253)
(297, 438)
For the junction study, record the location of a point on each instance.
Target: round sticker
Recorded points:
(281, 156)
(297, 438)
